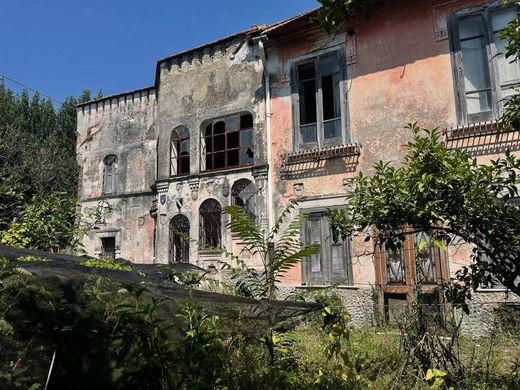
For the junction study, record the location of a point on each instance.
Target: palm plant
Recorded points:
(278, 251)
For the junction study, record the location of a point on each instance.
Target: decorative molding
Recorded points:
(194, 184)
(162, 188)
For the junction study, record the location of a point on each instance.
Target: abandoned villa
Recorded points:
(286, 112)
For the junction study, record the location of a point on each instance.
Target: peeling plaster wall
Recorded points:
(125, 126)
(208, 83)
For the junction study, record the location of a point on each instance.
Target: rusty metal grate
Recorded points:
(320, 154)
(476, 130)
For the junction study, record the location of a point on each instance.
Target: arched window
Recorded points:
(228, 142)
(180, 152)
(109, 174)
(243, 194)
(210, 223)
(179, 239)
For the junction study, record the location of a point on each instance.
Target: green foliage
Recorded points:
(447, 194)
(46, 222)
(278, 251)
(511, 33)
(107, 264)
(334, 14)
(31, 259)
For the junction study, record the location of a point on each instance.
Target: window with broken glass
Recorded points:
(228, 143)
(180, 152)
(210, 228)
(319, 101)
(243, 195)
(333, 263)
(179, 239)
(109, 174)
(484, 77)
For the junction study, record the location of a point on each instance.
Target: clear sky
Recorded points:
(60, 47)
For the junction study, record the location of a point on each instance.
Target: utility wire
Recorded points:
(3, 76)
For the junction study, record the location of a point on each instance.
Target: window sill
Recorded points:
(313, 155)
(476, 130)
(323, 286)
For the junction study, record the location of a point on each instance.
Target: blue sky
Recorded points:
(60, 47)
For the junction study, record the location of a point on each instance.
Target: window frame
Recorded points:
(178, 135)
(497, 97)
(202, 226)
(326, 275)
(110, 174)
(204, 145)
(343, 103)
(179, 246)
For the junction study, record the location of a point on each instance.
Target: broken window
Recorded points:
(210, 213)
(228, 142)
(180, 152)
(424, 257)
(243, 194)
(332, 264)
(320, 107)
(108, 247)
(179, 239)
(109, 174)
(484, 77)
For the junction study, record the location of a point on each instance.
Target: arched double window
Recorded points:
(228, 142)
(109, 174)
(179, 239)
(210, 214)
(180, 151)
(243, 194)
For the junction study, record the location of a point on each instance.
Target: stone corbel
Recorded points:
(260, 176)
(194, 188)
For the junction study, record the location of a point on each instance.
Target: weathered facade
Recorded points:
(286, 112)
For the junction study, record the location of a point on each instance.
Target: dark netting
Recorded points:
(156, 280)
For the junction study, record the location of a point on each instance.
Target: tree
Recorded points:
(334, 14)
(278, 250)
(447, 194)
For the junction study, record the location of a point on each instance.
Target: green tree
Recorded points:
(447, 194)
(279, 250)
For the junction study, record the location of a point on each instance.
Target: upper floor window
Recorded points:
(319, 101)
(109, 174)
(243, 195)
(484, 77)
(332, 264)
(180, 152)
(228, 142)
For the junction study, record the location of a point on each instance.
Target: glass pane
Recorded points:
(307, 91)
(474, 62)
(184, 165)
(232, 123)
(332, 129)
(338, 259)
(471, 27)
(424, 257)
(478, 102)
(314, 232)
(185, 146)
(208, 144)
(507, 71)
(395, 266)
(246, 137)
(219, 127)
(329, 64)
(246, 156)
(307, 134)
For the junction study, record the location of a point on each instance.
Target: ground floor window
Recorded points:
(179, 239)
(108, 247)
(333, 263)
